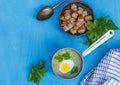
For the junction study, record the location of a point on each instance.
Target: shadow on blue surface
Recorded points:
(51, 49)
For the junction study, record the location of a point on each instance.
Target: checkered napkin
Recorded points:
(107, 72)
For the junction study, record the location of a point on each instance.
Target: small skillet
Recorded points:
(99, 42)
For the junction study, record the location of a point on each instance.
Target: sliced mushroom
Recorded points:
(88, 18)
(73, 31)
(80, 8)
(67, 11)
(82, 29)
(67, 16)
(79, 12)
(63, 24)
(65, 28)
(74, 15)
(84, 13)
(80, 18)
(76, 27)
(72, 20)
(62, 18)
(74, 7)
(80, 23)
(70, 25)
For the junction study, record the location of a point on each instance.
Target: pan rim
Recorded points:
(82, 65)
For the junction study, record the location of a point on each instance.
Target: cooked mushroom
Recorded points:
(80, 18)
(70, 25)
(80, 8)
(68, 21)
(73, 31)
(80, 12)
(84, 13)
(74, 15)
(80, 23)
(72, 20)
(76, 27)
(62, 18)
(67, 16)
(63, 24)
(67, 11)
(65, 28)
(88, 18)
(82, 29)
(74, 7)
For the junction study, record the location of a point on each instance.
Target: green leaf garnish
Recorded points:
(66, 56)
(37, 72)
(62, 57)
(74, 70)
(97, 28)
(59, 58)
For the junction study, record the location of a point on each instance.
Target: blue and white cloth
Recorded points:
(107, 71)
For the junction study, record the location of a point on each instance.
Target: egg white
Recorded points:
(69, 62)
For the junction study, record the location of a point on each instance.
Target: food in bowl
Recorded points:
(74, 17)
(66, 66)
(66, 63)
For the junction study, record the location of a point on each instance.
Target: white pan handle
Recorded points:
(99, 42)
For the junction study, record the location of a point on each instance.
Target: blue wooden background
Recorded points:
(24, 40)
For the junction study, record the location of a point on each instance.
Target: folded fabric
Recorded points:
(107, 72)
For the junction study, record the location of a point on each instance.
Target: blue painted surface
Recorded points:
(24, 40)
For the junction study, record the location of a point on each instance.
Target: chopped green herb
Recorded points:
(64, 56)
(59, 58)
(74, 70)
(97, 28)
(37, 72)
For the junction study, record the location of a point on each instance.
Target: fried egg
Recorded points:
(66, 66)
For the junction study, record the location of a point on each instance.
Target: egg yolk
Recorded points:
(65, 67)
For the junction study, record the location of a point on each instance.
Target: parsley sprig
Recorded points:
(37, 72)
(74, 70)
(64, 56)
(97, 28)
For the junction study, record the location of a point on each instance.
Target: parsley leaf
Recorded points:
(59, 58)
(74, 70)
(97, 28)
(66, 56)
(62, 57)
(37, 72)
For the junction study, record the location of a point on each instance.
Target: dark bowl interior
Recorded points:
(82, 5)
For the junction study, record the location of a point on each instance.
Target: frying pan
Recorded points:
(99, 42)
